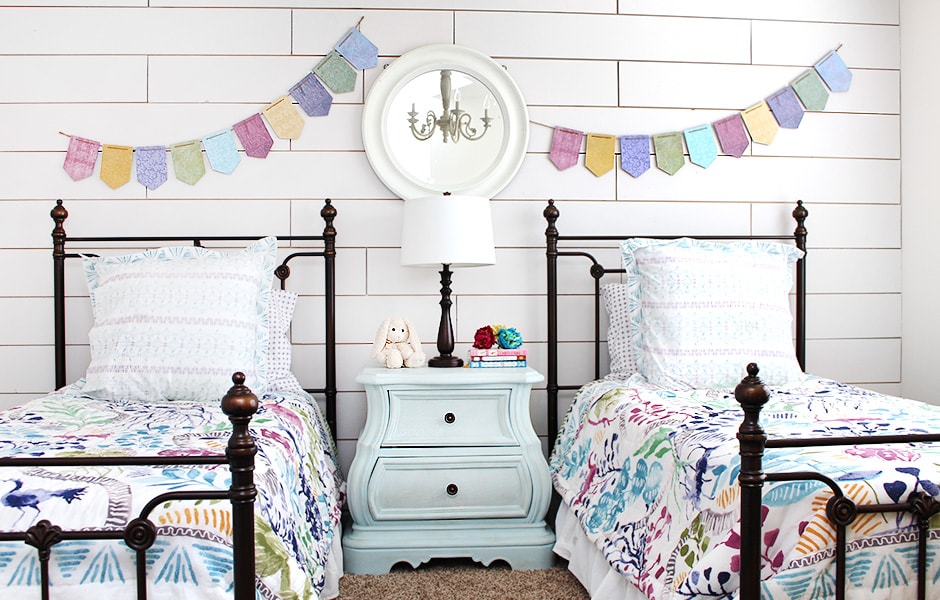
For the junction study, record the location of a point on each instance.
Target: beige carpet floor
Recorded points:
(459, 579)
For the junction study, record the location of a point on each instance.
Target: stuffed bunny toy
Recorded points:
(397, 345)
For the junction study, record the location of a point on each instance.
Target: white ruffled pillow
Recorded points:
(175, 323)
(703, 310)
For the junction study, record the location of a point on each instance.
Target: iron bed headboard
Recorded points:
(553, 252)
(328, 213)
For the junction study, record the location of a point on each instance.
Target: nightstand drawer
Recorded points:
(453, 417)
(443, 488)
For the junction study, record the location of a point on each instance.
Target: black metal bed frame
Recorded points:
(239, 404)
(752, 395)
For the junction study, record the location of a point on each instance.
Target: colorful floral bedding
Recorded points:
(297, 511)
(651, 474)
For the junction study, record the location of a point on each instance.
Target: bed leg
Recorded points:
(240, 404)
(751, 395)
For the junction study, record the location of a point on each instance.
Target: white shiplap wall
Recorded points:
(139, 73)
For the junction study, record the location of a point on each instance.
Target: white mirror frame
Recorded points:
(436, 57)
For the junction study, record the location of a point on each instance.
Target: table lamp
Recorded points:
(447, 231)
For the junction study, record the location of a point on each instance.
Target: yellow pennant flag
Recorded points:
(284, 119)
(760, 122)
(116, 164)
(599, 154)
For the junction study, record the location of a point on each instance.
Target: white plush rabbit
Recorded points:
(397, 345)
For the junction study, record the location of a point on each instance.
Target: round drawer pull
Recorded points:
(450, 417)
(451, 489)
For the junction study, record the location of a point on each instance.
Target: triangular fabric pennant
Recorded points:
(187, 161)
(635, 154)
(254, 136)
(151, 166)
(358, 50)
(116, 164)
(786, 108)
(760, 122)
(811, 90)
(834, 72)
(336, 73)
(566, 147)
(221, 151)
(284, 119)
(701, 144)
(668, 149)
(81, 157)
(599, 153)
(312, 96)
(732, 135)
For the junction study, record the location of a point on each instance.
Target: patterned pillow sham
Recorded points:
(702, 310)
(620, 336)
(281, 309)
(174, 323)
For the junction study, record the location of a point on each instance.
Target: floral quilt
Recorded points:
(652, 476)
(297, 511)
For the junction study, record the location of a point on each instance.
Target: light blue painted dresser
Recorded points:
(448, 465)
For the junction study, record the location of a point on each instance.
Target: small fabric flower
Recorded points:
(484, 338)
(509, 338)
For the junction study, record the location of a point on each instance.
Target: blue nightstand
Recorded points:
(448, 465)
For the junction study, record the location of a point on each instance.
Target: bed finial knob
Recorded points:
(239, 401)
(751, 393)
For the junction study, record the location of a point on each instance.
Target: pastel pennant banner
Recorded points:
(254, 136)
(358, 50)
(759, 123)
(599, 153)
(811, 90)
(221, 151)
(81, 157)
(337, 70)
(701, 144)
(786, 108)
(312, 96)
(151, 166)
(668, 150)
(566, 146)
(732, 135)
(187, 162)
(635, 154)
(116, 165)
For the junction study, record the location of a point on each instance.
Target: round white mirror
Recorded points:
(445, 118)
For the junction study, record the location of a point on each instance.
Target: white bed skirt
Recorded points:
(334, 569)
(587, 563)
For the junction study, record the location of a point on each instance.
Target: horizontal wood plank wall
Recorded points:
(138, 73)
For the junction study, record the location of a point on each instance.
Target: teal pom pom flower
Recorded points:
(508, 337)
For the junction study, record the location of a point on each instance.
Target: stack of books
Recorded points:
(497, 357)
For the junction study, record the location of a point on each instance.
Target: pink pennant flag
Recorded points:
(81, 157)
(566, 146)
(732, 135)
(254, 136)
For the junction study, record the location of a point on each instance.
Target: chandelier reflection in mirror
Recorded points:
(454, 124)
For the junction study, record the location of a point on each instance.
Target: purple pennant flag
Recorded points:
(732, 135)
(566, 145)
(786, 108)
(635, 154)
(834, 72)
(151, 166)
(254, 136)
(312, 96)
(81, 157)
(358, 50)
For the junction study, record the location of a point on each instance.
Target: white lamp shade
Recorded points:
(451, 230)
